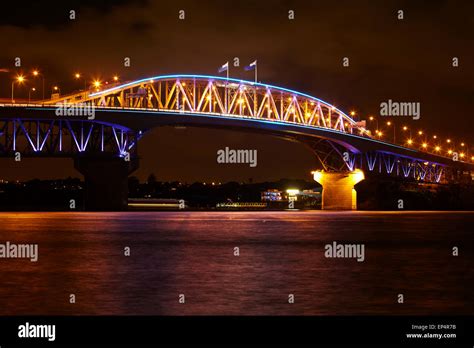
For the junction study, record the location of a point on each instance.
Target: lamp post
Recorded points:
(77, 76)
(389, 123)
(405, 128)
(20, 79)
(97, 84)
(56, 89)
(29, 93)
(36, 73)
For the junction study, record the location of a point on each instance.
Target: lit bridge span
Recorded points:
(100, 129)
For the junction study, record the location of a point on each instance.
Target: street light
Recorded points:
(394, 130)
(20, 79)
(29, 94)
(97, 84)
(36, 73)
(116, 78)
(371, 118)
(405, 128)
(77, 76)
(56, 89)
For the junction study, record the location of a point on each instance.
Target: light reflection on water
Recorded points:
(281, 253)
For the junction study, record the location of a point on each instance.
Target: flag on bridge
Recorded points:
(251, 66)
(223, 68)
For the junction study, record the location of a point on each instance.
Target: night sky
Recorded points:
(405, 60)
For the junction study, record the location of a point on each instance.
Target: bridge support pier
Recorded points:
(106, 181)
(338, 189)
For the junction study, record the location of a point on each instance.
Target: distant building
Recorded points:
(272, 195)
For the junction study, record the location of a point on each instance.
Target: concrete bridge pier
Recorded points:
(338, 189)
(106, 181)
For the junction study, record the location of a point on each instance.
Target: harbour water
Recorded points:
(238, 263)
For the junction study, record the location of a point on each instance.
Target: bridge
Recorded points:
(100, 129)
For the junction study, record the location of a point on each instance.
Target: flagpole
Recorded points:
(255, 71)
(226, 82)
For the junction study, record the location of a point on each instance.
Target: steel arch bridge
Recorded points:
(124, 112)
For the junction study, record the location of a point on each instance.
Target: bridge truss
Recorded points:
(336, 158)
(229, 97)
(65, 138)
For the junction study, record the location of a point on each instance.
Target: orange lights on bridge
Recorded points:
(422, 141)
(97, 84)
